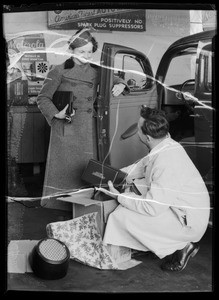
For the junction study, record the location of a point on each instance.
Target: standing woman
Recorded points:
(72, 139)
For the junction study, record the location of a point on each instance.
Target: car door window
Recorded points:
(205, 70)
(181, 68)
(131, 69)
(180, 76)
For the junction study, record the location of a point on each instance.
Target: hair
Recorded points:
(155, 122)
(86, 35)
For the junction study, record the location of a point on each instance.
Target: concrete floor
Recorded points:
(28, 220)
(30, 223)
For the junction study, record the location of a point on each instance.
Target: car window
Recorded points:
(131, 70)
(181, 68)
(205, 73)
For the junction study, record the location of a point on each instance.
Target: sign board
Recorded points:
(27, 54)
(99, 19)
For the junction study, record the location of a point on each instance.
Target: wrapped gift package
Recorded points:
(83, 202)
(82, 237)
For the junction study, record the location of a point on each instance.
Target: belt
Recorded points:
(88, 110)
(68, 118)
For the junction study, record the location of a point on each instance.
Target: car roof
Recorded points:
(194, 38)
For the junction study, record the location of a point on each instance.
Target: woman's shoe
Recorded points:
(179, 259)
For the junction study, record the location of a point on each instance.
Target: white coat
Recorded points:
(172, 210)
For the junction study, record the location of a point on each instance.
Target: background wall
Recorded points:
(162, 28)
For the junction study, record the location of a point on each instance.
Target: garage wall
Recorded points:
(162, 28)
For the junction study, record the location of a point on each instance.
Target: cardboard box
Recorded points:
(82, 203)
(119, 254)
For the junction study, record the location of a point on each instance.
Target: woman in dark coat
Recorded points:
(72, 139)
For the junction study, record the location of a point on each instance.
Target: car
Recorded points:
(183, 88)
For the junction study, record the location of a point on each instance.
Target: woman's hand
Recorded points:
(118, 89)
(62, 114)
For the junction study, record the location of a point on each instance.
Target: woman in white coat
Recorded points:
(171, 214)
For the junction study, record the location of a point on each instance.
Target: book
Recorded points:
(61, 99)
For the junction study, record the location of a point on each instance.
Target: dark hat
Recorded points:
(79, 39)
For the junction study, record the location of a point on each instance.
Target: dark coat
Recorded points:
(71, 145)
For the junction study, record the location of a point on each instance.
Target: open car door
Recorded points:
(204, 111)
(116, 114)
(184, 85)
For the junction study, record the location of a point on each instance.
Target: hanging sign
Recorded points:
(100, 19)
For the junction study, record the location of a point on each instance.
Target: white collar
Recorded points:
(159, 147)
